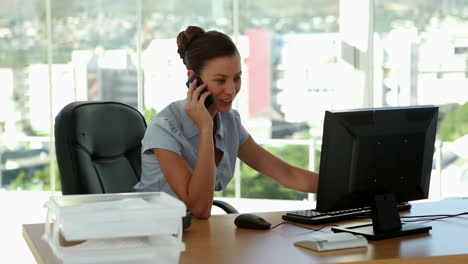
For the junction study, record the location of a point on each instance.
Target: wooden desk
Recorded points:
(217, 240)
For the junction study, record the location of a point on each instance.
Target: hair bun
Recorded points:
(185, 38)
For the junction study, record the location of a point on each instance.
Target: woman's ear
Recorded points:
(190, 73)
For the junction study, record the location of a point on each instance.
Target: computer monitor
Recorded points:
(377, 157)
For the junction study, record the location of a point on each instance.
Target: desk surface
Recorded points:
(218, 240)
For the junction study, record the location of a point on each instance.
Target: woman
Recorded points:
(190, 150)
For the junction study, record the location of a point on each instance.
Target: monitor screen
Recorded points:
(376, 152)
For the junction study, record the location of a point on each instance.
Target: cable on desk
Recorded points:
(310, 228)
(423, 218)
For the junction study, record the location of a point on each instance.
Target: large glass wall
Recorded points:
(293, 70)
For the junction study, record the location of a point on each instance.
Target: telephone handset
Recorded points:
(209, 99)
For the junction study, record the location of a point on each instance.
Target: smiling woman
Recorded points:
(222, 78)
(190, 150)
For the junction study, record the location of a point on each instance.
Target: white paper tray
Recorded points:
(113, 224)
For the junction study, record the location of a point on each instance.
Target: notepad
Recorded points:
(332, 241)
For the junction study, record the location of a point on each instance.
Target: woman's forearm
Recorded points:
(201, 185)
(303, 180)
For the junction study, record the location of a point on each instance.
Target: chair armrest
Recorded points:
(187, 220)
(225, 206)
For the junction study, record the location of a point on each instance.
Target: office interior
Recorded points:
(299, 58)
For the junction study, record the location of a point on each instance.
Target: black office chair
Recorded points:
(98, 145)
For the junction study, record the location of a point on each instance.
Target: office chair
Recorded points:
(98, 145)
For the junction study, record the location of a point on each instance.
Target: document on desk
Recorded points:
(332, 241)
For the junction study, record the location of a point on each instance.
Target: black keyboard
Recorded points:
(313, 217)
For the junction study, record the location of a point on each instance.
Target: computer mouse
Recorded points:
(251, 221)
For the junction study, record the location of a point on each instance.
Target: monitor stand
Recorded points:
(386, 222)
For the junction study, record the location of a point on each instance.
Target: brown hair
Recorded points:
(196, 46)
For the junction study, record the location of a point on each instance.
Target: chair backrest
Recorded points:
(98, 147)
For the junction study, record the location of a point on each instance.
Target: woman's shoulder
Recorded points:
(171, 115)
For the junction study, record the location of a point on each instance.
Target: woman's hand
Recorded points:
(195, 106)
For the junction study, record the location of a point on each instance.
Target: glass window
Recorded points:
(96, 42)
(24, 141)
(291, 65)
(421, 58)
(290, 51)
